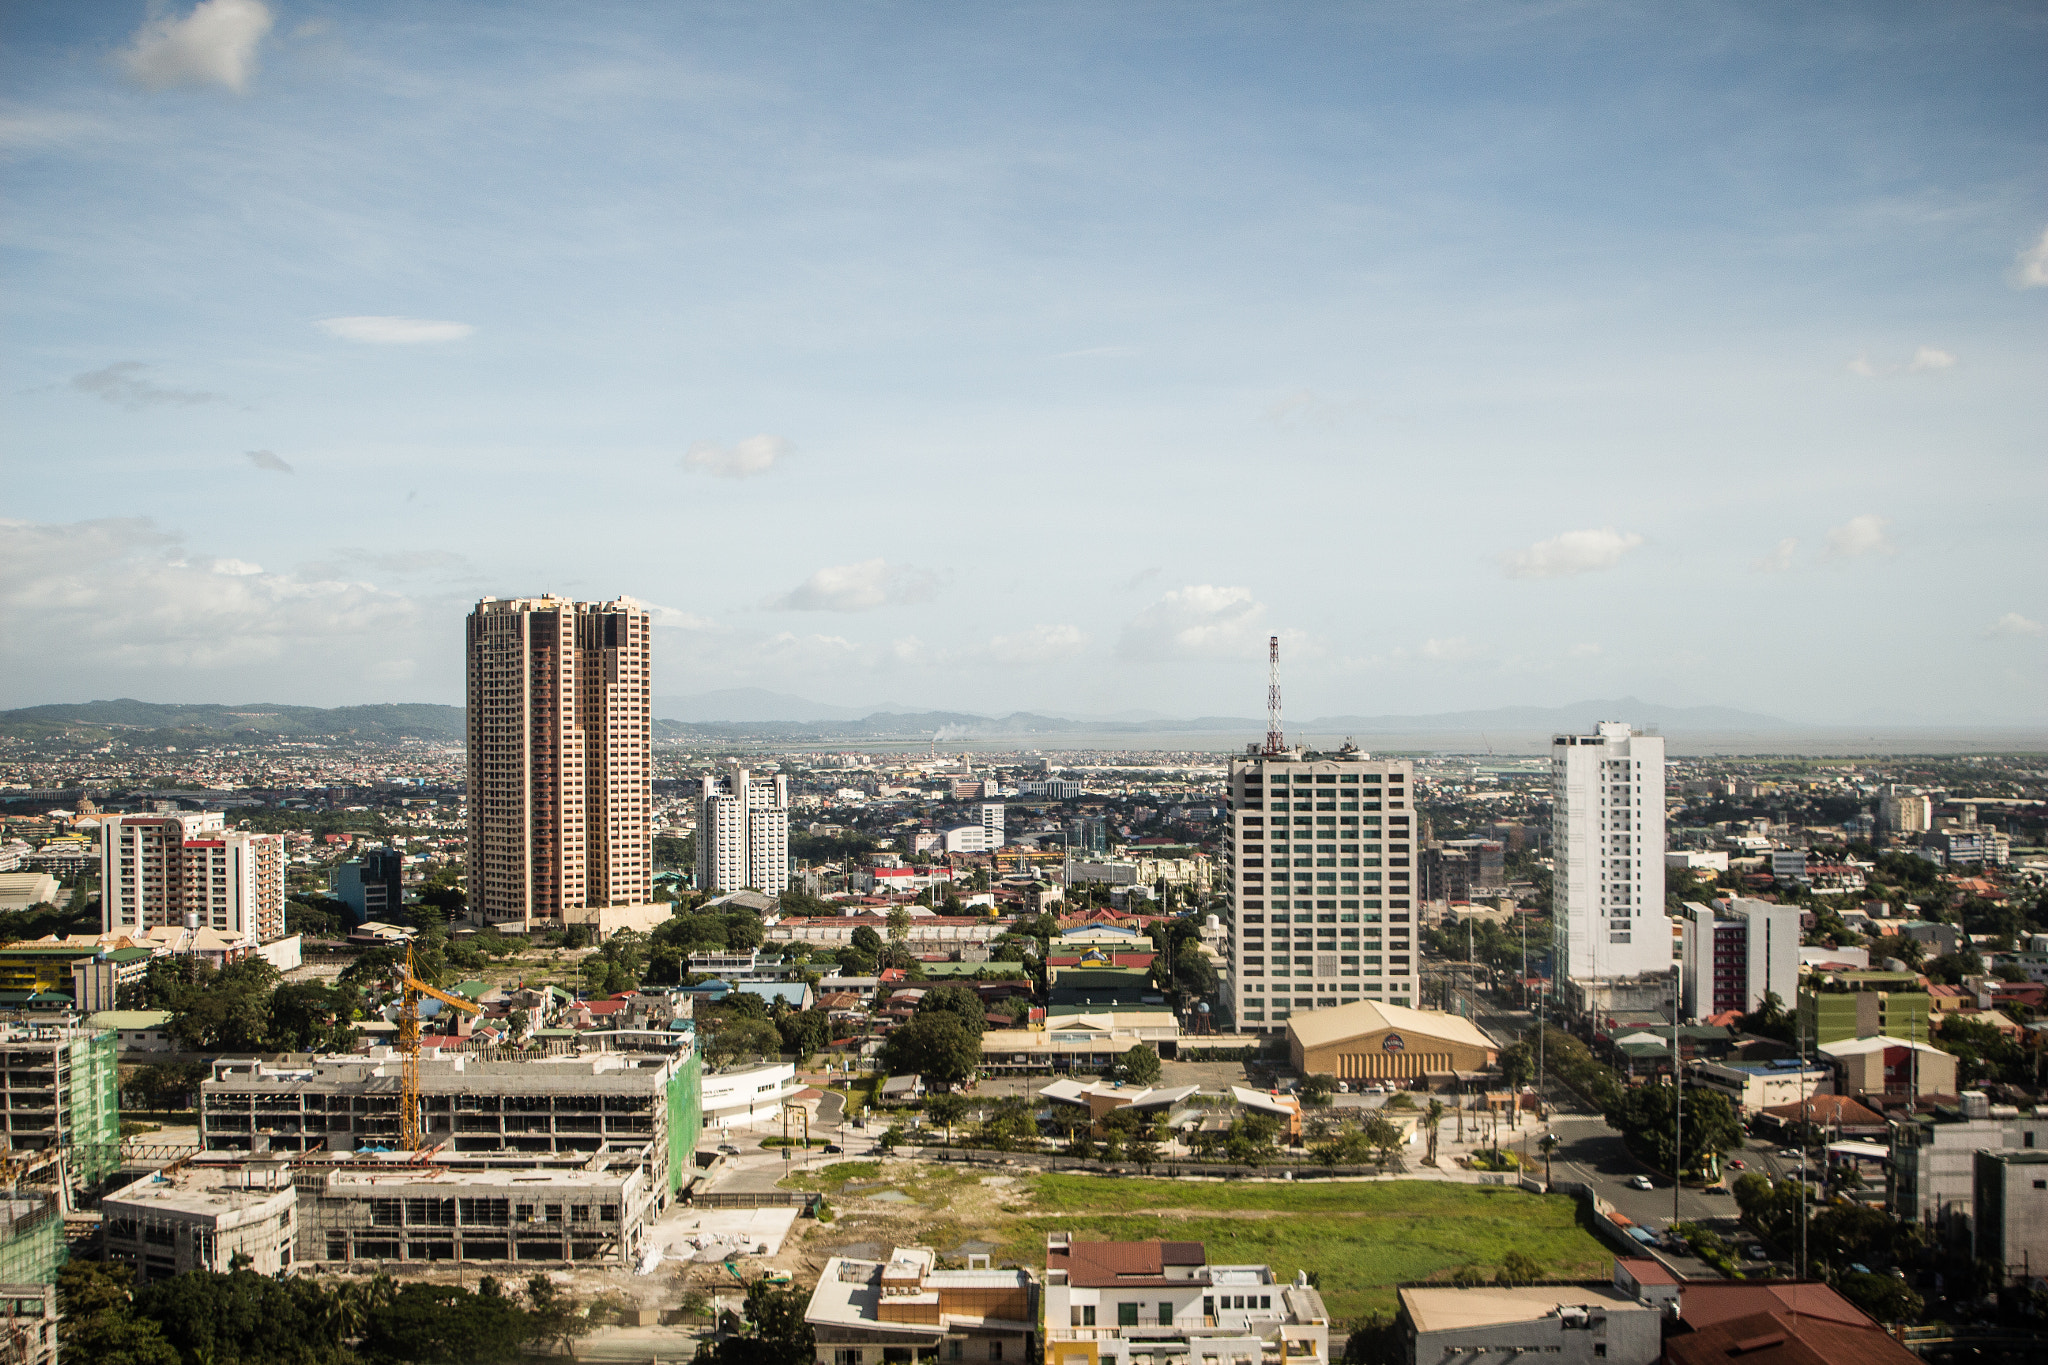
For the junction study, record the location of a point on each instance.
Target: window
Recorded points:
(1084, 1315)
(995, 1350)
(1166, 1315)
(1127, 1315)
(956, 1349)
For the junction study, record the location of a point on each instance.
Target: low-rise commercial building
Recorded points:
(903, 1309)
(1933, 1160)
(1372, 1041)
(1862, 1005)
(1890, 1066)
(1755, 1086)
(1574, 1324)
(2009, 1203)
(1159, 1302)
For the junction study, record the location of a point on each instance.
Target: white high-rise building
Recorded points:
(188, 869)
(743, 833)
(1320, 878)
(1607, 835)
(992, 822)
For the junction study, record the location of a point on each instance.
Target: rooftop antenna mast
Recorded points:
(1275, 742)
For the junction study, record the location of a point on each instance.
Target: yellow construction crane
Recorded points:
(411, 989)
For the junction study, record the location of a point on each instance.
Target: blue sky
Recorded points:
(1043, 356)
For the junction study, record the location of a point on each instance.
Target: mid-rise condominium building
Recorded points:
(1321, 884)
(1607, 834)
(561, 762)
(1735, 952)
(743, 833)
(189, 870)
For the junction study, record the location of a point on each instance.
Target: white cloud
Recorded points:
(1574, 552)
(754, 455)
(1451, 650)
(1196, 622)
(392, 331)
(1039, 645)
(122, 384)
(1859, 536)
(1586, 650)
(2031, 269)
(123, 597)
(1780, 557)
(1926, 360)
(268, 459)
(858, 587)
(213, 45)
(2012, 625)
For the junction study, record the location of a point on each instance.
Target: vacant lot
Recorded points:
(1361, 1239)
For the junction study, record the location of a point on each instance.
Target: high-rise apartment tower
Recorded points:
(561, 775)
(1320, 877)
(743, 833)
(1607, 834)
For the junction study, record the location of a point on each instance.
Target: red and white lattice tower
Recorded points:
(1274, 741)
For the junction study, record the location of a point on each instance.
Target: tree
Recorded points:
(963, 1002)
(899, 924)
(946, 1110)
(935, 1045)
(1644, 1115)
(553, 1316)
(866, 942)
(1381, 1135)
(805, 1031)
(99, 1322)
(1432, 1120)
(1316, 1090)
(1139, 1066)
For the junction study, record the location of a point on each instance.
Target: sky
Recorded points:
(1039, 356)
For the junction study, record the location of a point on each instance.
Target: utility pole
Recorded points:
(1678, 1102)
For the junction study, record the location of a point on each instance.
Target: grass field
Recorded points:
(1362, 1238)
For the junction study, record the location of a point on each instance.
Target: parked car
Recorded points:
(728, 1149)
(1756, 1253)
(833, 1149)
(1643, 1182)
(1736, 1163)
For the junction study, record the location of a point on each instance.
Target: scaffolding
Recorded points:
(32, 1245)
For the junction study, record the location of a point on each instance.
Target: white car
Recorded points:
(1643, 1182)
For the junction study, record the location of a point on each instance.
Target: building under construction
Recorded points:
(565, 1158)
(60, 1098)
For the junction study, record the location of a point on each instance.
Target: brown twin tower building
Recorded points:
(561, 764)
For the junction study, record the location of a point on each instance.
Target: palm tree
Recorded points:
(1548, 1143)
(1432, 1120)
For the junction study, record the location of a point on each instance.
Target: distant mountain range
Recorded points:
(256, 722)
(760, 714)
(794, 718)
